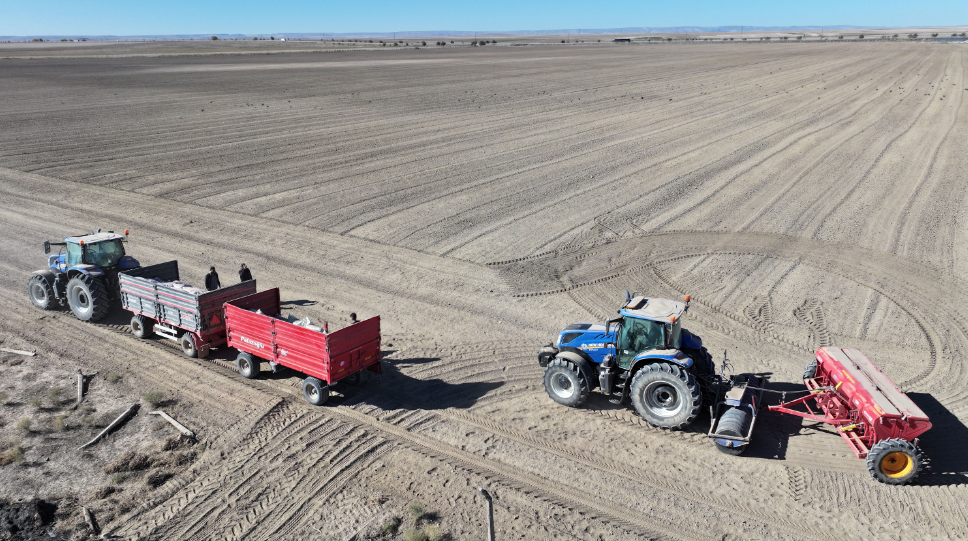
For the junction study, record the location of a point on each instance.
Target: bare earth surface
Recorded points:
(479, 200)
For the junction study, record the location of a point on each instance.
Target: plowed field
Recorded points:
(479, 200)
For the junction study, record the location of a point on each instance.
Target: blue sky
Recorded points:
(137, 17)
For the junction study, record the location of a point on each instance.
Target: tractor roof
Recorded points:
(94, 238)
(654, 309)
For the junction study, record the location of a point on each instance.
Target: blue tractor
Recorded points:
(83, 274)
(644, 355)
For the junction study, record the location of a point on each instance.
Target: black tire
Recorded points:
(734, 422)
(40, 292)
(353, 379)
(564, 383)
(247, 365)
(142, 327)
(315, 391)
(187, 343)
(810, 371)
(665, 395)
(894, 461)
(87, 298)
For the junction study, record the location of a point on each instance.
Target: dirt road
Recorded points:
(479, 200)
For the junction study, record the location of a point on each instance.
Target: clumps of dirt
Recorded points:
(129, 462)
(419, 525)
(158, 477)
(32, 519)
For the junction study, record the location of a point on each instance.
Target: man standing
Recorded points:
(244, 274)
(353, 320)
(211, 280)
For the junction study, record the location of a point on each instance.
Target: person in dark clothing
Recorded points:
(353, 320)
(211, 280)
(244, 273)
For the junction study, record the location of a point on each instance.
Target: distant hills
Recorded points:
(456, 33)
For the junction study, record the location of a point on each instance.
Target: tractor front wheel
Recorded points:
(40, 292)
(87, 298)
(894, 461)
(665, 395)
(564, 383)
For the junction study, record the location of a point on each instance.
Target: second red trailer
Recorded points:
(324, 357)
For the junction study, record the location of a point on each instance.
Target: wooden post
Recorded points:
(89, 518)
(181, 428)
(110, 427)
(80, 386)
(490, 514)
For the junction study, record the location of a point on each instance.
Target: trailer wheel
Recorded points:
(734, 422)
(353, 379)
(894, 461)
(315, 391)
(810, 371)
(665, 395)
(187, 342)
(40, 292)
(247, 365)
(142, 327)
(564, 383)
(87, 298)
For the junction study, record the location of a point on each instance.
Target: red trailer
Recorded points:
(877, 420)
(255, 328)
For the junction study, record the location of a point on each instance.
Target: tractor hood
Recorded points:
(584, 336)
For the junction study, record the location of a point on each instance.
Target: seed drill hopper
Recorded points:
(877, 420)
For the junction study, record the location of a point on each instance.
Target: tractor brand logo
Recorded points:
(252, 342)
(591, 346)
(868, 415)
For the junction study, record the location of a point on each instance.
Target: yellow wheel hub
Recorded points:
(897, 464)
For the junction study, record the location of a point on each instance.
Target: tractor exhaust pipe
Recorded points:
(606, 374)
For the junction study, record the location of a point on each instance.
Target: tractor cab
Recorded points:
(647, 326)
(92, 254)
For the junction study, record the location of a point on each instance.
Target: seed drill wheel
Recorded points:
(810, 371)
(40, 292)
(894, 461)
(315, 391)
(564, 383)
(665, 395)
(87, 298)
(142, 327)
(247, 365)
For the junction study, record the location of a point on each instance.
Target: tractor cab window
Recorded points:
(675, 334)
(638, 335)
(74, 252)
(104, 254)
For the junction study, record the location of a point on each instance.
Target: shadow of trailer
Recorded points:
(195, 321)
(256, 329)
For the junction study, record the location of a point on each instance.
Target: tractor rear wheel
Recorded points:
(564, 383)
(894, 461)
(315, 392)
(734, 422)
(40, 292)
(665, 395)
(87, 298)
(188, 346)
(810, 371)
(247, 365)
(142, 327)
